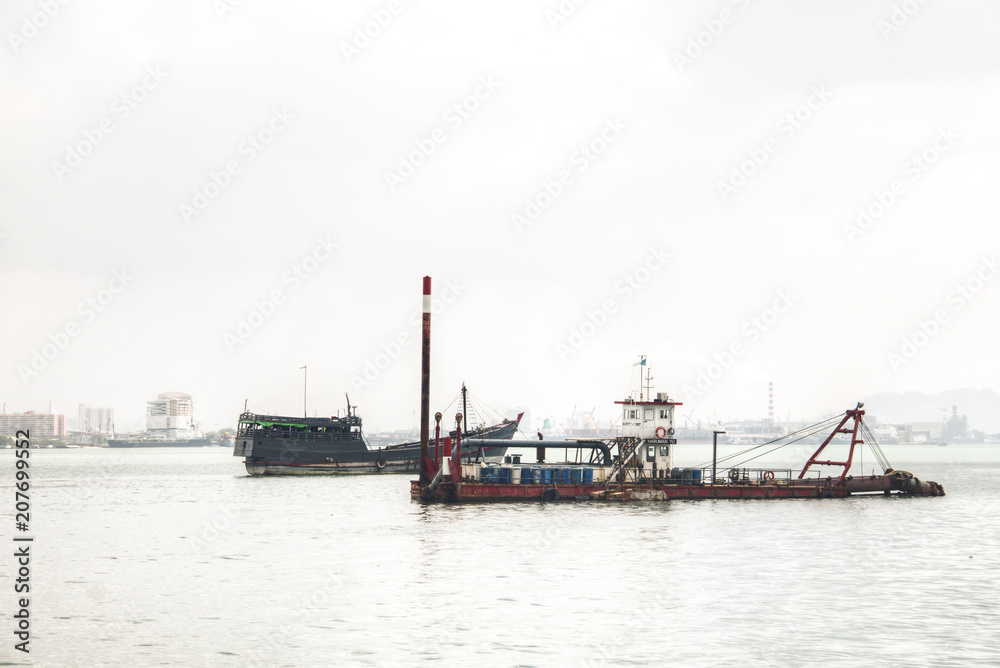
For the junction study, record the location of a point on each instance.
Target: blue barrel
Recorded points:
(536, 476)
(546, 476)
(526, 475)
(577, 476)
(484, 474)
(504, 475)
(588, 476)
(565, 476)
(696, 476)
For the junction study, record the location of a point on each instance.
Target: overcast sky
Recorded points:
(206, 196)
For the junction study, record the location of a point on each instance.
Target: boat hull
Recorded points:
(275, 445)
(270, 456)
(482, 492)
(407, 465)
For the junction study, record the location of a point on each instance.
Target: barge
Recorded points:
(637, 464)
(641, 470)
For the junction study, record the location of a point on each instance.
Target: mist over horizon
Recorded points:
(205, 197)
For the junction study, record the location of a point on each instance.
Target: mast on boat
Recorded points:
(465, 406)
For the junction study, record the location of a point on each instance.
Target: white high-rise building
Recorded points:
(171, 415)
(95, 420)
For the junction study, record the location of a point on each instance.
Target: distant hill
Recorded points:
(981, 406)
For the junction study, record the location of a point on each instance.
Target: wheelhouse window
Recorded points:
(632, 414)
(664, 414)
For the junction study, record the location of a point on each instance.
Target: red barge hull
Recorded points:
(898, 482)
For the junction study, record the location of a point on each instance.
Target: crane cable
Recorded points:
(821, 428)
(821, 425)
(874, 446)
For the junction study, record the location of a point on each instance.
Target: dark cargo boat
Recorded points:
(279, 445)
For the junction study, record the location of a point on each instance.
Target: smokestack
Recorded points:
(425, 384)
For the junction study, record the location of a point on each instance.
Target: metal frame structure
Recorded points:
(857, 414)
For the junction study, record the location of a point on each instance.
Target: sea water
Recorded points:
(176, 557)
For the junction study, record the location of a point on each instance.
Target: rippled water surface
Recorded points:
(166, 557)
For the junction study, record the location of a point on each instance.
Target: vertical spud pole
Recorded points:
(425, 383)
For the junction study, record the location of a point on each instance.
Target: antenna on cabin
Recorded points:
(642, 363)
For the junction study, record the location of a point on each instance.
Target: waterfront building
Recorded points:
(37, 424)
(171, 415)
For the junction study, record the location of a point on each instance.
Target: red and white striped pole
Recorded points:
(425, 384)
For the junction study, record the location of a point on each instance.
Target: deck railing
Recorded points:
(270, 432)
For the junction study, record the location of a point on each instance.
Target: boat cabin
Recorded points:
(653, 422)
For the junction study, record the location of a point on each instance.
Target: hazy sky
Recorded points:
(204, 196)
